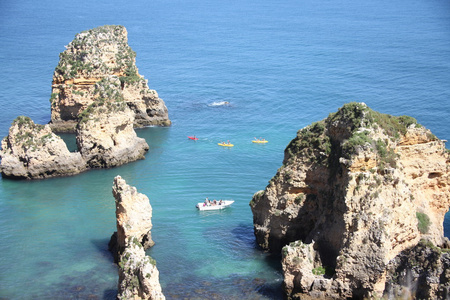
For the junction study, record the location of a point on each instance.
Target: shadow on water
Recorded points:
(110, 294)
(102, 247)
(243, 233)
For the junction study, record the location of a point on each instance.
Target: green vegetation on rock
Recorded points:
(28, 133)
(311, 142)
(109, 99)
(83, 56)
(423, 222)
(356, 122)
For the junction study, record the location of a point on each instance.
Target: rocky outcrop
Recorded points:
(105, 138)
(90, 57)
(355, 191)
(133, 215)
(105, 134)
(33, 151)
(138, 275)
(98, 91)
(422, 272)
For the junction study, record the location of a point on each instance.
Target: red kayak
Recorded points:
(193, 138)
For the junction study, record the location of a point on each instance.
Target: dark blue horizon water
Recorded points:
(280, 65)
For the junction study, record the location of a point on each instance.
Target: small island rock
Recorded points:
(133, 215)
(138, 275)
(32, 151)
(91, 56)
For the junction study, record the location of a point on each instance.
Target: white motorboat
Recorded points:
(214, 206)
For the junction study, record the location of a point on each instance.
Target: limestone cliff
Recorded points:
(138, 275)
(91, 56)
(34, 151)
(105, 134)
(355, 190)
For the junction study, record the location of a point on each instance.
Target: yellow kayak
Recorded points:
(225, 145)
(260, 142)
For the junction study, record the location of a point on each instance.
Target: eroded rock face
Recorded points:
(105, 134)
(421, 272)
(354, 191)
(32, 151)
(138, 275)
(133, 214)
(91, 56)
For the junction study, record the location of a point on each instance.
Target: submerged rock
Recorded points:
(355, 190)
(91, 56)
(33, 151)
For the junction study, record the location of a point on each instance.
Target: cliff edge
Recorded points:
(91, 56)
(355, 192)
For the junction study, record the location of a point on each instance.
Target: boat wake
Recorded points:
(219, 103)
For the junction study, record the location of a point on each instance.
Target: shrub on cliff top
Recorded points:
(82, 56)
(22, 120)
(308, 139)
(357, 115)
(350, 114)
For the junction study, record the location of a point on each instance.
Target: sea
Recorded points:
(227, 70)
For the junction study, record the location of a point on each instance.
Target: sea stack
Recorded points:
(357, 209)
(33, 151)
(105, 134)
(93, 55)
(138, 275)
(133, 215)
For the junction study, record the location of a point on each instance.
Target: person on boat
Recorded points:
(215, 202)
(228, 142)
(220, 202)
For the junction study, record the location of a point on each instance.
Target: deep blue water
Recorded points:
(281, 66)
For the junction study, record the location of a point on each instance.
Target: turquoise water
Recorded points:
(281, 66)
